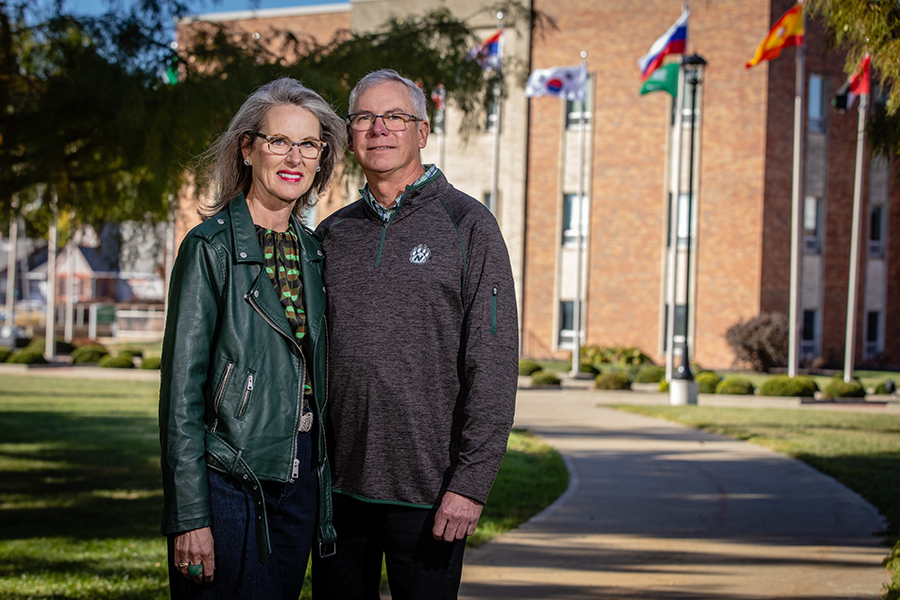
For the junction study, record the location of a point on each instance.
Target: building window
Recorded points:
(572, 217)
(489, 202)
(678, 333)
(873, 345)
(876, 231)
(575, 109)
(684, 220)
(566, 338)
(816, 97)
(812, 225)
(493, 116)
(808, 337)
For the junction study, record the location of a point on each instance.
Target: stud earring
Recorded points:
(318, 169)
(247, 161)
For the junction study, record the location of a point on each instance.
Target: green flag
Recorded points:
(664, 79)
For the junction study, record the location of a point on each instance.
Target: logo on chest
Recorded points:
(419, 255)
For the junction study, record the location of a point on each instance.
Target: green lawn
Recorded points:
(80, 495)
(861, 450)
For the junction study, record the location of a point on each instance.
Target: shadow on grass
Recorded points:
(79, 476)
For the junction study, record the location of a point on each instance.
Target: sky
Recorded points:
(92, 7)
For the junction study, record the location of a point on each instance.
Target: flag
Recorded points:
(664, 79)
(673, 41)
(857, 85)
(558, 81)
(489, 53)
(787, 31)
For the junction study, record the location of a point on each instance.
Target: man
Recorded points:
(423, 358)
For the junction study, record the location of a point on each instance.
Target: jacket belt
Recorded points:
(232, 461)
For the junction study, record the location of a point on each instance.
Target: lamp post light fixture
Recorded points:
(683, 388)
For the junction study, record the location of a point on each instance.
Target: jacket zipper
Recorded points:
(383, 235)
(246, 397)
(219, 395)
(494, 312)
(295, 463)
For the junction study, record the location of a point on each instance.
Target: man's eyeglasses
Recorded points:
(279, 144)
(393, 121)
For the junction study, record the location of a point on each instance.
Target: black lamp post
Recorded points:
(693, 71)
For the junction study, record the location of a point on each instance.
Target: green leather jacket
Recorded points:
(232, 373)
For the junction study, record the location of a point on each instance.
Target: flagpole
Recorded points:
(796, 216)
(579, 244)
(852, 291)
(11, 265)
(495, 152)
(673, 225)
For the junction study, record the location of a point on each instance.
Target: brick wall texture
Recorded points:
(742, 244)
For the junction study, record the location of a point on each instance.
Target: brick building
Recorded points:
(740, 231)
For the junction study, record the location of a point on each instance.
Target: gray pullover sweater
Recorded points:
(423, 347)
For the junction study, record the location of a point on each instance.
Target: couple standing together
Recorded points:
(385, 444)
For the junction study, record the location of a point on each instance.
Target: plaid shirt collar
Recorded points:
(386, 213)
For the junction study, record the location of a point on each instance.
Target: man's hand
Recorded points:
(193, 548)
(456, 518)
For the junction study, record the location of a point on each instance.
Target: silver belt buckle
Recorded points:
(306, 421)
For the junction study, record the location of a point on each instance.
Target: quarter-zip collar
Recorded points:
(385, 214)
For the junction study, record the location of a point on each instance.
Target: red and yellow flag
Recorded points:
(786, 32)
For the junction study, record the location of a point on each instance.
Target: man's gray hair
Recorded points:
(416, 95)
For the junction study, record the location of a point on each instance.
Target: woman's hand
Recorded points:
(195, 547)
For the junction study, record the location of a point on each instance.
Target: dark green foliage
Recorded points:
(4, 353)
(37, 345)
(26, 357)
(735, 385)
(528, 366)
(116, 362)
(761, 342)
(89, 353)
(151, 362)
(838, 388)
(545, 379)
(612, 381)
(649, 374)
(783, 385)
(707, 382)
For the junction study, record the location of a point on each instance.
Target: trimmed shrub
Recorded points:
(735, 385)
(707, 382)
(528, 366)
(664, 386)
(90, 353)
(26, 357)
(4, 353)
(612, 381)
(151, 362)
(122, 361)
(784, 385)
(37, 345)
(136, 352)
(544, 379)
(761, 341)
(838, 388)
(650, 374)
(884, 389)
(630, 356)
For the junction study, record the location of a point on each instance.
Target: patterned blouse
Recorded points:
(281, 257)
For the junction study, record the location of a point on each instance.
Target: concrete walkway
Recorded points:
(655, 510)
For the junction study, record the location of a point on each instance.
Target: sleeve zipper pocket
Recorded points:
(246, 396)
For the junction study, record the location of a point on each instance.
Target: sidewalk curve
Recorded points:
(655, 510)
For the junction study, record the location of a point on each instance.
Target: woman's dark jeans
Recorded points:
(291, 511)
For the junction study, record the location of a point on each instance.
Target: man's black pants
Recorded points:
(418, 566)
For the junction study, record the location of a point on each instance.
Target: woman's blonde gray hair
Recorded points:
(225, 169)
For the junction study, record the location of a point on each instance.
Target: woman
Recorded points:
(242, 395)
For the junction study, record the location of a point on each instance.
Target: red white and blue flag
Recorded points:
(673, 41)
(558, 81)
(489, 53)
